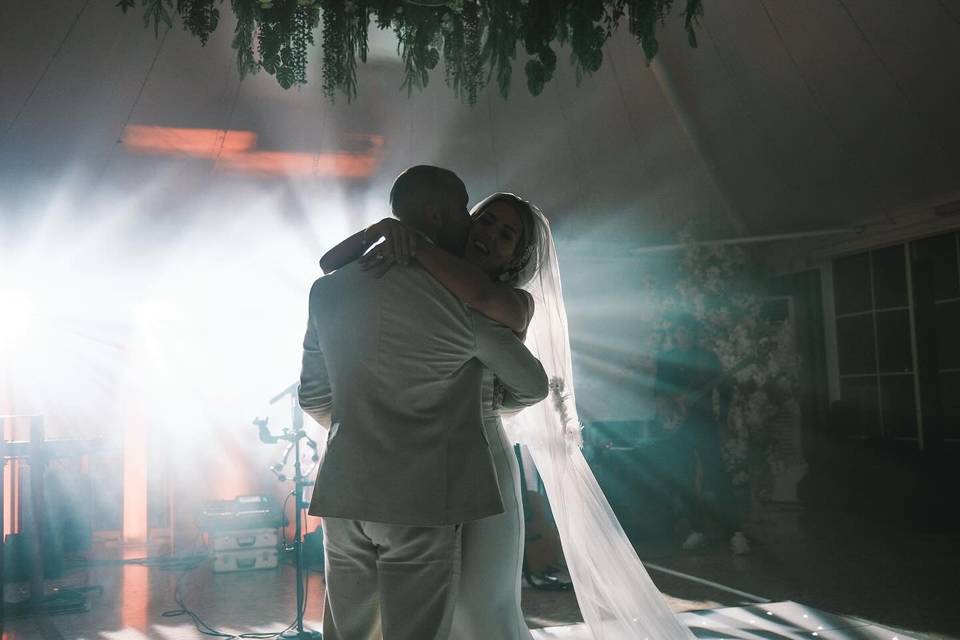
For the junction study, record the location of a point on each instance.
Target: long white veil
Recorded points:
(617, 598)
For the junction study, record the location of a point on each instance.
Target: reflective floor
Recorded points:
(877, 581)
(248, 603)
(776, 620)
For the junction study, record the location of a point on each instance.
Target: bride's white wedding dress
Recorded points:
(488, 601)
(617, 599)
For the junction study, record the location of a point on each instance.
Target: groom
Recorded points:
(393, 367)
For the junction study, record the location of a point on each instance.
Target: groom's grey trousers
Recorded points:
(418, 568)
(394, 367)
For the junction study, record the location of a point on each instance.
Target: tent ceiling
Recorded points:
(791, 116)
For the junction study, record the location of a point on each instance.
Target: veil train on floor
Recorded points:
(617, 598)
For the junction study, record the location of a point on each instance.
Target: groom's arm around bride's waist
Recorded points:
(521, 375)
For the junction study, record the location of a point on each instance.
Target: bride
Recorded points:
(509, 272)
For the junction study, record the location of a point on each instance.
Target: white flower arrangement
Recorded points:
(716, 285)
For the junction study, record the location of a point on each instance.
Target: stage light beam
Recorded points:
(22, 322)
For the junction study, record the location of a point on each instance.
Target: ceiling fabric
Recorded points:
(789, 117)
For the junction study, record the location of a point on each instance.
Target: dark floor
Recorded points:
(839, 563)
(842, 563)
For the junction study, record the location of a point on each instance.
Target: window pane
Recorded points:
(899, 408)
(948, 335)
(775, 310)
(890, 277)
(950, 404)
(893, 341)
(851, 283)
(855, 345)
(860, 394)
(942, 252)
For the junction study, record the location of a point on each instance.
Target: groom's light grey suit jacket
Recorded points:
(394, 366)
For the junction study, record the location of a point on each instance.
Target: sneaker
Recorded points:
(695, 540)
(739, 544)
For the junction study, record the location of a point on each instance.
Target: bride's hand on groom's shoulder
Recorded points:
(379, 261)
(398, 238)
(399, 246)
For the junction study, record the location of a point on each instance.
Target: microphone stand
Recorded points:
(294, 436)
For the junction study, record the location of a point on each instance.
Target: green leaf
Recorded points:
(650, 47)
(535, 86)
(432, 58)
(286, 77)
(534, 69)
(549, 59)
(691, 20)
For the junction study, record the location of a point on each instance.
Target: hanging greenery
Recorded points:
(476, 39)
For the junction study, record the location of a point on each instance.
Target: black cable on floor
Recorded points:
(198, 622)
(202, 626)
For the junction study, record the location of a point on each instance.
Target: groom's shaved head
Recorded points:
(424, 187)
(433, 200)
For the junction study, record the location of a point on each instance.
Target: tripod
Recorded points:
(294, 435)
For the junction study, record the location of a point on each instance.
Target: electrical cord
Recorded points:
(283, 520)
(203, 627)
(192, 562)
